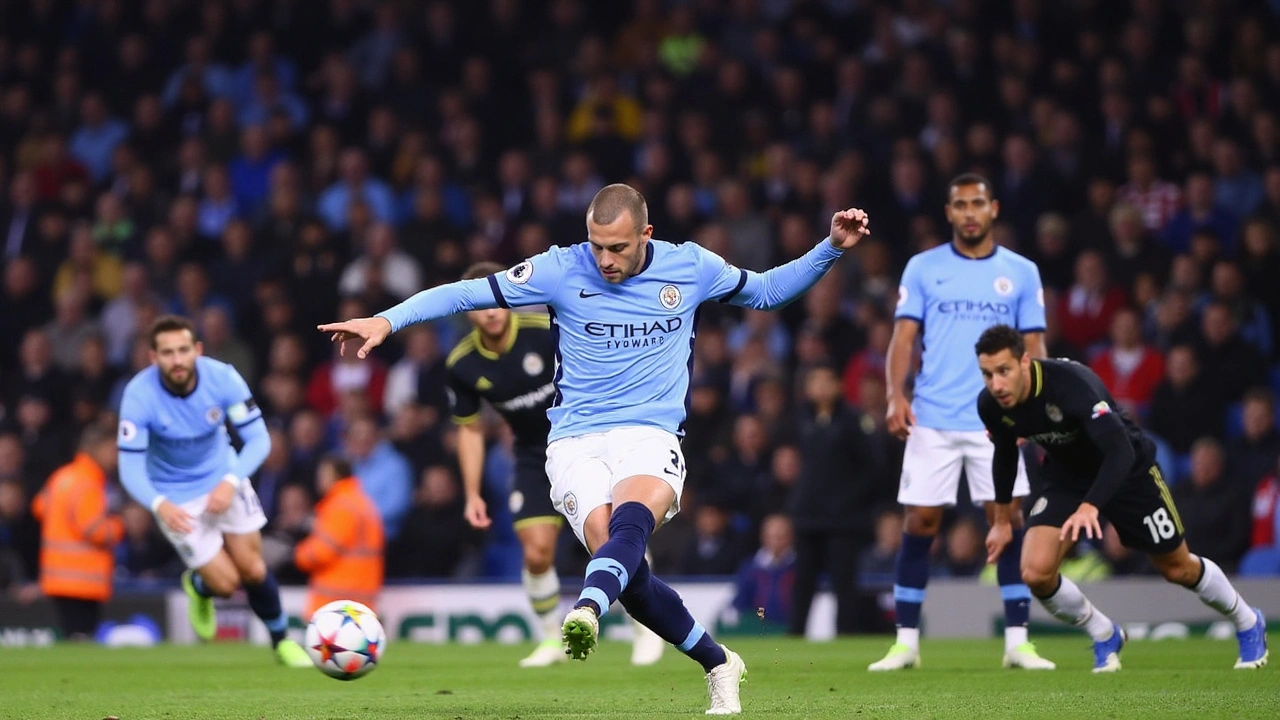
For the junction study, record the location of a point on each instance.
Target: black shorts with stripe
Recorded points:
(530, 499)
(1142, 512)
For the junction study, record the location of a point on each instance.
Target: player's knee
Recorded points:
(1040, 579)
(1186, 574)
(221, 585)
(538, 559)
(253, 572)
(923, 521)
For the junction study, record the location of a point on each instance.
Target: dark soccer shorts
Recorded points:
(1142, 512)
(530, 499)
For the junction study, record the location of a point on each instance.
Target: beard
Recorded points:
(973, 239)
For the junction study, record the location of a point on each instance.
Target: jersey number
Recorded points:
(250, 498)
(675, 463)
(1160, 525)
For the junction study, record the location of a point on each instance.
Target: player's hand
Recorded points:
(476, 512)
(848, 227)
(900, 418)
(175, 518)
(373, 331)
(220, 498)
(998, 538)
(1084, 518)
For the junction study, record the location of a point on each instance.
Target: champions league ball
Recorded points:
(345, 640)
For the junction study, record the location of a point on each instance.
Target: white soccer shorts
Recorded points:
(584, 469)
(932, 462)
(202, 544)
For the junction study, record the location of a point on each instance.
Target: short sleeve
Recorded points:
(532, 282)
(1085, 399)
(717, 278)
(1031, 303)
(133, 433)
(241, 408)
(464, 401)
(911, 293)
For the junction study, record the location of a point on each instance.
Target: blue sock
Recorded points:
(197, 582)
(911, 577)
(1016, 595)
(264, 600)
(616, 561)
(656, 606)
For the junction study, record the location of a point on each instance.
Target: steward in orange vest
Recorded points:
(343, 554)
(77, 534)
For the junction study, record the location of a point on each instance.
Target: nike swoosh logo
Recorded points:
(941, 280)
(585, 294)
(670, 472)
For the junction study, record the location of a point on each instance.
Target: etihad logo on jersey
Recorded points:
(529, 400)
(633, 335)
(974, 306)
(1055, 438)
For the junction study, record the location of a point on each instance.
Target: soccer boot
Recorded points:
(723, 682)
(290, 654)
(1025, 656)
(549, 652)
(900, 657)
(580, 632)
(200, 610)
(1106, 654)
(646, 646)
(1253, 644)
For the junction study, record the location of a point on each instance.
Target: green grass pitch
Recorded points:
(788, 679)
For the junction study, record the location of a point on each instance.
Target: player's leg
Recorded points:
(1146, 519)
(1042, 554)
(210, 572)
(537, 537)
(647, 646)
(78, 618)
(931, 465)
(810, 560)
(1018, 650)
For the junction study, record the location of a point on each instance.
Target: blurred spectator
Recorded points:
(220, 343)
(1186, 406)
(763, 587)
(419, 375)
(1089, 304)
(436, 540)
(398, 271)
(716, 548)
(965, 553)
(1213, 516)
(19, 538)
(1263, 557)
(384, 473)
(1230, 364)
(1129, 368)
(1155, 199)
(144, 553)
(344, 552)
(1227, 286)
(97, 137)
(354, 185)
(1252, 456)
(1200, 213)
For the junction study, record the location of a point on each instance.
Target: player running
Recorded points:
(624, 312)
(1097, 462)
(176, 458)
(509, 360)
(955, 292)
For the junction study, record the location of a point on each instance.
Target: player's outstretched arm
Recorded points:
(254, 452)
(437, 302)
(778, 287)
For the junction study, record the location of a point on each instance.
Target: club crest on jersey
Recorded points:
(520, 274)
(533, 364)
(669, 296)
(1004, 285)
(1102, 408)
(516, 501)
(571, 504)
(213, 415)
(128, 430)
(1054, 413)
(902, 295)
(1039, 507)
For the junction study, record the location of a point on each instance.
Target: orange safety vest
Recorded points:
(76, 534)
(343, 554)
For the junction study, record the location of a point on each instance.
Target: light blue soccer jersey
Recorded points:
(625, 350)
(179, 447)
(955, 298)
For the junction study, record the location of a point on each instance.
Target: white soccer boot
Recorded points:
(549, 652)
(1025, 656)
(901, 656)
(646, 646)
(723, 682)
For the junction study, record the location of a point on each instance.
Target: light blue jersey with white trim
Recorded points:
(625, 350)
(178, 446)
(955, 298)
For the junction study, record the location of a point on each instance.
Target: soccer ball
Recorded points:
(345, 640)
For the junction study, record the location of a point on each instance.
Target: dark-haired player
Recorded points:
(949, 295)
(1097, 463)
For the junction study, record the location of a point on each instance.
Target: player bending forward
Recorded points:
(1097, 462)
(176, 458)
(509, 360)
(624, 309)
(950, 294)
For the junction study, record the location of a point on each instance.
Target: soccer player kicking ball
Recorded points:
(949, 295)
(1098, 462)
(176, 458)
(509, 360)
(624, 310)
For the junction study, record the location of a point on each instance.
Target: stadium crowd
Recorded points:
(263, 166)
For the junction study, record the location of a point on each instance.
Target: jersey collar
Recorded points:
(962, 256)
(1037, 378)
(512, 329)
(182, 396)
(648, 257)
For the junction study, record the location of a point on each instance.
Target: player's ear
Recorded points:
(199, 348)
(647, 232)
(995, 208)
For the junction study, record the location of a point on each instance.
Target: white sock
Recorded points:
(1070, 605)
(909, 637)
(1216, 591)
(544, 595)
(1014, 636)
